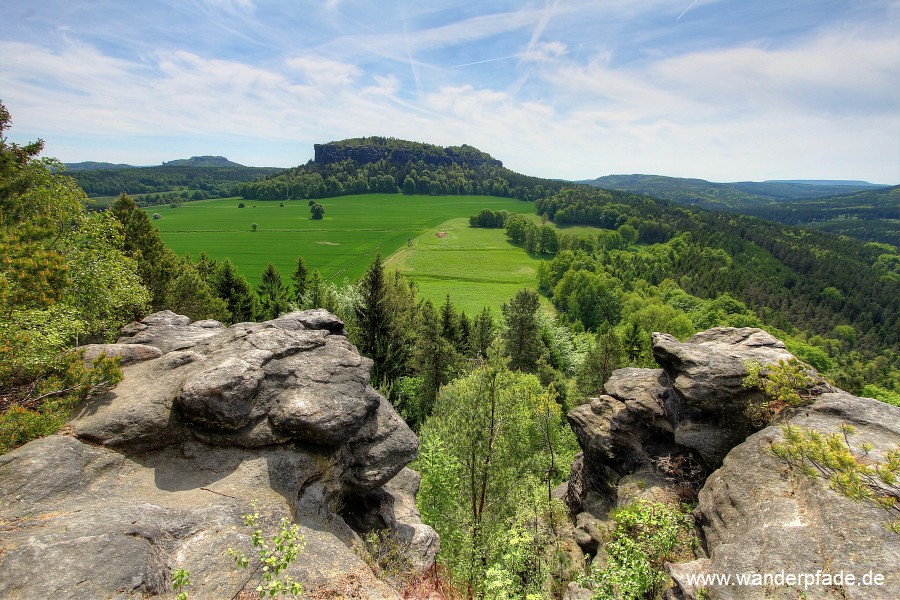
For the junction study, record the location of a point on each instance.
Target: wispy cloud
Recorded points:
(575, 89)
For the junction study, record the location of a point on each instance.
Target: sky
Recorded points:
(724, 90)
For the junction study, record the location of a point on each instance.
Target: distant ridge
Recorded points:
(838, 182)
(194, 161)
(96, 166)
(202, 161)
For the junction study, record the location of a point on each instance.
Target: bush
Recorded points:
(861, 478)
(789, 383)
(241, 205)
(647, 534)
(42, 406)
(157, 216)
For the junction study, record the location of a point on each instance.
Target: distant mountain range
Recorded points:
(194, 161)
(722, 196)
(859, 209)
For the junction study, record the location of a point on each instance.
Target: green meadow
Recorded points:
(354, 228)
(477, 267)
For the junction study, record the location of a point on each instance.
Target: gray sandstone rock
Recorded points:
(158, 472)
(756, 515)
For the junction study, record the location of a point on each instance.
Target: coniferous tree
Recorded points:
(464, 344)
(604, 356)
(483, 332)
(314, 295)
(301, 280)
(274, 298)
(521, 336)
(633, 341)
(450, 322)
(157, 265)
(373, 319)
(191, 296)
(234, 288)
(434, 357)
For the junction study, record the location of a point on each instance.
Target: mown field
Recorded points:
(477, 267)
(354, 228)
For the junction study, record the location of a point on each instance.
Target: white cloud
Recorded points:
(822, 107)
(323, 72)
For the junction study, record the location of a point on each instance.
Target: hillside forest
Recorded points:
(487, 392)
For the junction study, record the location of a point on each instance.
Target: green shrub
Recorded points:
(274, 556)
(44, 404)
(647, 534)
(788, 383)
(859, 477)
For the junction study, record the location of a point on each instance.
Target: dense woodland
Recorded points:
(210, 181)
(864, 212)
(486, 392)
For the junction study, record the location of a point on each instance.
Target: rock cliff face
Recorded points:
(207, 420)
(657, 433)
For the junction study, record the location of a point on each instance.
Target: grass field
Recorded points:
(477, 267)
(340, 245)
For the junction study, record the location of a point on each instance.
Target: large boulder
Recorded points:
(758, 516)
(207, 422)
(658, 433)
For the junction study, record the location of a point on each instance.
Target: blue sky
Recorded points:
(718, 89)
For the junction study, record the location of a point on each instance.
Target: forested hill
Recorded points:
(185, 174)
(791, 277)
(870, 216)
(718, 196)
(392, 166)
(202, 161)
(856, 209)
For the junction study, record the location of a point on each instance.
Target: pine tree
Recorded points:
(483, 332)
(313, 297)
(191, 296)
(274, 298)
(158, 266)
(521, 336)
(450, 322)
(234, 288)
(434, 357)
(633, 342)
(603, 357)
(301, 280)
(373, 319)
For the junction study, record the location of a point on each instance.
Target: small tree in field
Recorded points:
(317, 210)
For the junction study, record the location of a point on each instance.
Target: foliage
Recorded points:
(54, 258)
(858, 476)
(495, 439)
(316, 210)
(788, 383)
(604, 356)
(520, 333)
(880, 393)
(180, 580)
(154, 182)
(44, 404)
(273, 556)
(646, 535)
(381, 165)
(273, 294)
(489, 218)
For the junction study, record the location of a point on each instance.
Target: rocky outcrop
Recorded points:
(681, 428)
(208, 420)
